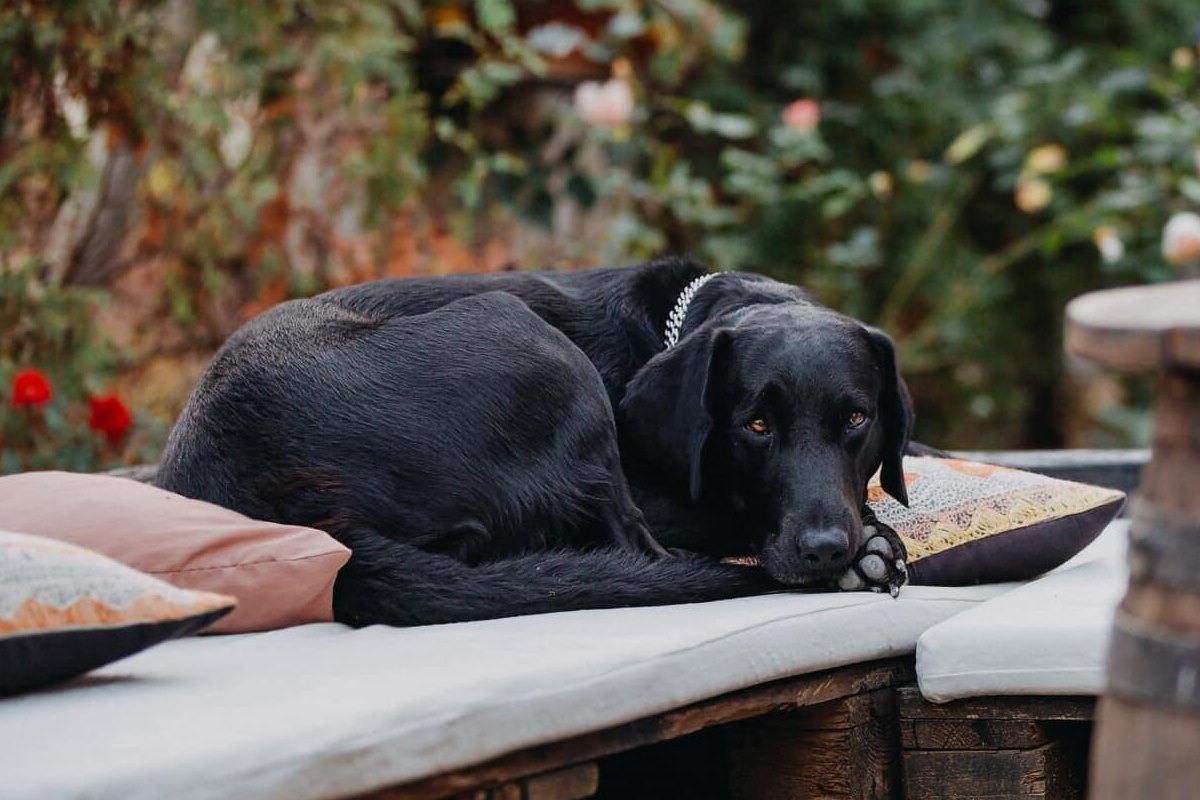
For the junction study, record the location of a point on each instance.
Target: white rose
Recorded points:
(607, 104)
(1111, 248)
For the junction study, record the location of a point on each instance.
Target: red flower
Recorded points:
(31, 387)
(109, 416)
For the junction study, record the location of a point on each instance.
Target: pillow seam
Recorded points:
(240, 564)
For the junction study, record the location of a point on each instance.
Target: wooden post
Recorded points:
(1147, 740)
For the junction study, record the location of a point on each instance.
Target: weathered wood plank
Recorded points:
(846, 712)
(1041, 772)
(784, 696)
(779, 696)
(573, 783)
(842, 749)
(913, 706)
(972, 734)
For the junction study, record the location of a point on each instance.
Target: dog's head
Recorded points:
(782, 413)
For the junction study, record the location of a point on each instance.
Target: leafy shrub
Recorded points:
(954, 171)
(968, 160)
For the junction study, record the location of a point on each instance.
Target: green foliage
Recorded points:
(905, 205)
(968, 151)
(167, 85)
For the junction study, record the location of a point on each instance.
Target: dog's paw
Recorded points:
(880, 564)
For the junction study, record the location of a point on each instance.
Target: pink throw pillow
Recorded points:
(281, 574)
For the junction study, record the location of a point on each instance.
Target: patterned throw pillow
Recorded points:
(969, 522)
(65, 610)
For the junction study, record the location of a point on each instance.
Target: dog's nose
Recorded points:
(824, 548)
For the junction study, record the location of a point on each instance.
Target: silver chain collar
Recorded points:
(679, 312)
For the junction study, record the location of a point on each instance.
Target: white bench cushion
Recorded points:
(1048, 637)
(323, 710)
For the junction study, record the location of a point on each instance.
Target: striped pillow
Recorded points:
(65, 610)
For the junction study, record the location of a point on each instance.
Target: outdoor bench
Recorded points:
(780, 696)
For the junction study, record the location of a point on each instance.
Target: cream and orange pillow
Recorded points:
(969, 522)
(65, 610)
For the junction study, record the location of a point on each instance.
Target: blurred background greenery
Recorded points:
(952, 170)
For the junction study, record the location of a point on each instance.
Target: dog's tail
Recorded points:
(387, 582)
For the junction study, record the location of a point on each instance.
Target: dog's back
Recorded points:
(477, 413)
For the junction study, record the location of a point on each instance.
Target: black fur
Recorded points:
(458, 435)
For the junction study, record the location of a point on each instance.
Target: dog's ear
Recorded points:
(895, 413)
(666, 408)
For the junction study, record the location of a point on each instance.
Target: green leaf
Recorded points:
(557, 39)
(968, 143)
(861, 250)
(1190, 188)
(495, 16)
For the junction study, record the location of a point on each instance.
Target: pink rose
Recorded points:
(802, 115)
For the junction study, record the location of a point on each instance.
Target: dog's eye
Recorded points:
(856, 419)
(758, 426)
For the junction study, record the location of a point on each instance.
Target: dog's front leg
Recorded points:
(628, 530)
(627, 527)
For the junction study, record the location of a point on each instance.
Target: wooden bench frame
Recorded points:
(862, 731)
(857, 732)
(823, 712)
(993, 747)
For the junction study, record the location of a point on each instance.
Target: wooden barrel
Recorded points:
(1147, 739)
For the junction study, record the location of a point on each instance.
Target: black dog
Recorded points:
(458, 435)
